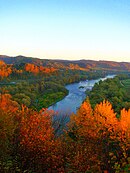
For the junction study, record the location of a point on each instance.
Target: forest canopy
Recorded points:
(96, 140)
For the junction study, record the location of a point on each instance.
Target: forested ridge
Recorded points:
(97, 137)
(85, 65)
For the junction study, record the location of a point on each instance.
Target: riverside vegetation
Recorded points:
(38, 86)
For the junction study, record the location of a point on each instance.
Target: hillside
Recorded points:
(85, 65)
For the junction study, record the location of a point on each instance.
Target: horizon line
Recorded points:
(45, 58)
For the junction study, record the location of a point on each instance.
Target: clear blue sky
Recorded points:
(66, 29)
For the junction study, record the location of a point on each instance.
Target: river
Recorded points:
(75, 97)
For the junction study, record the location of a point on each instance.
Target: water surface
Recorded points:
(75, 97)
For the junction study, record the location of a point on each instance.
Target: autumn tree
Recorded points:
(5, 70)
(98, 135)
(38, 69)
(35, 142)
(31, 68)
(82, 148)
(125, 138)
(27, 139)
(8, 125)
(95, 140)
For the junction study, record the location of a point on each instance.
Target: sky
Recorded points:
(66, 29)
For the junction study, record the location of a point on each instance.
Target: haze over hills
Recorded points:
(67, 64)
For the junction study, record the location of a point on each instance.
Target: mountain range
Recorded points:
(67, 64)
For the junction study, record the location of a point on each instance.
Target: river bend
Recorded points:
(75, 97)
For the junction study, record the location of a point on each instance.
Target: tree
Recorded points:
(27, 139)
(21, 98)
(8, 125)
(83, 150)
(98, 135)
(5, 70)
(38, 149)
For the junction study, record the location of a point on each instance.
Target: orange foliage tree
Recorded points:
(5, 70)
(28, 138)
(82, 153)
(95, 141)
(31, 68)
(98, 135)
(38, 149)
(38, 69)
(8, 111)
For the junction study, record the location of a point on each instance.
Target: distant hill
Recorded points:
(68, 64)
(17, 60)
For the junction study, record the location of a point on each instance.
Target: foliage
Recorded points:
(95, 140)
(5, 70)
(42, 89)
(98, 135)
(27, 139)
(8, 111)
(112, 90)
